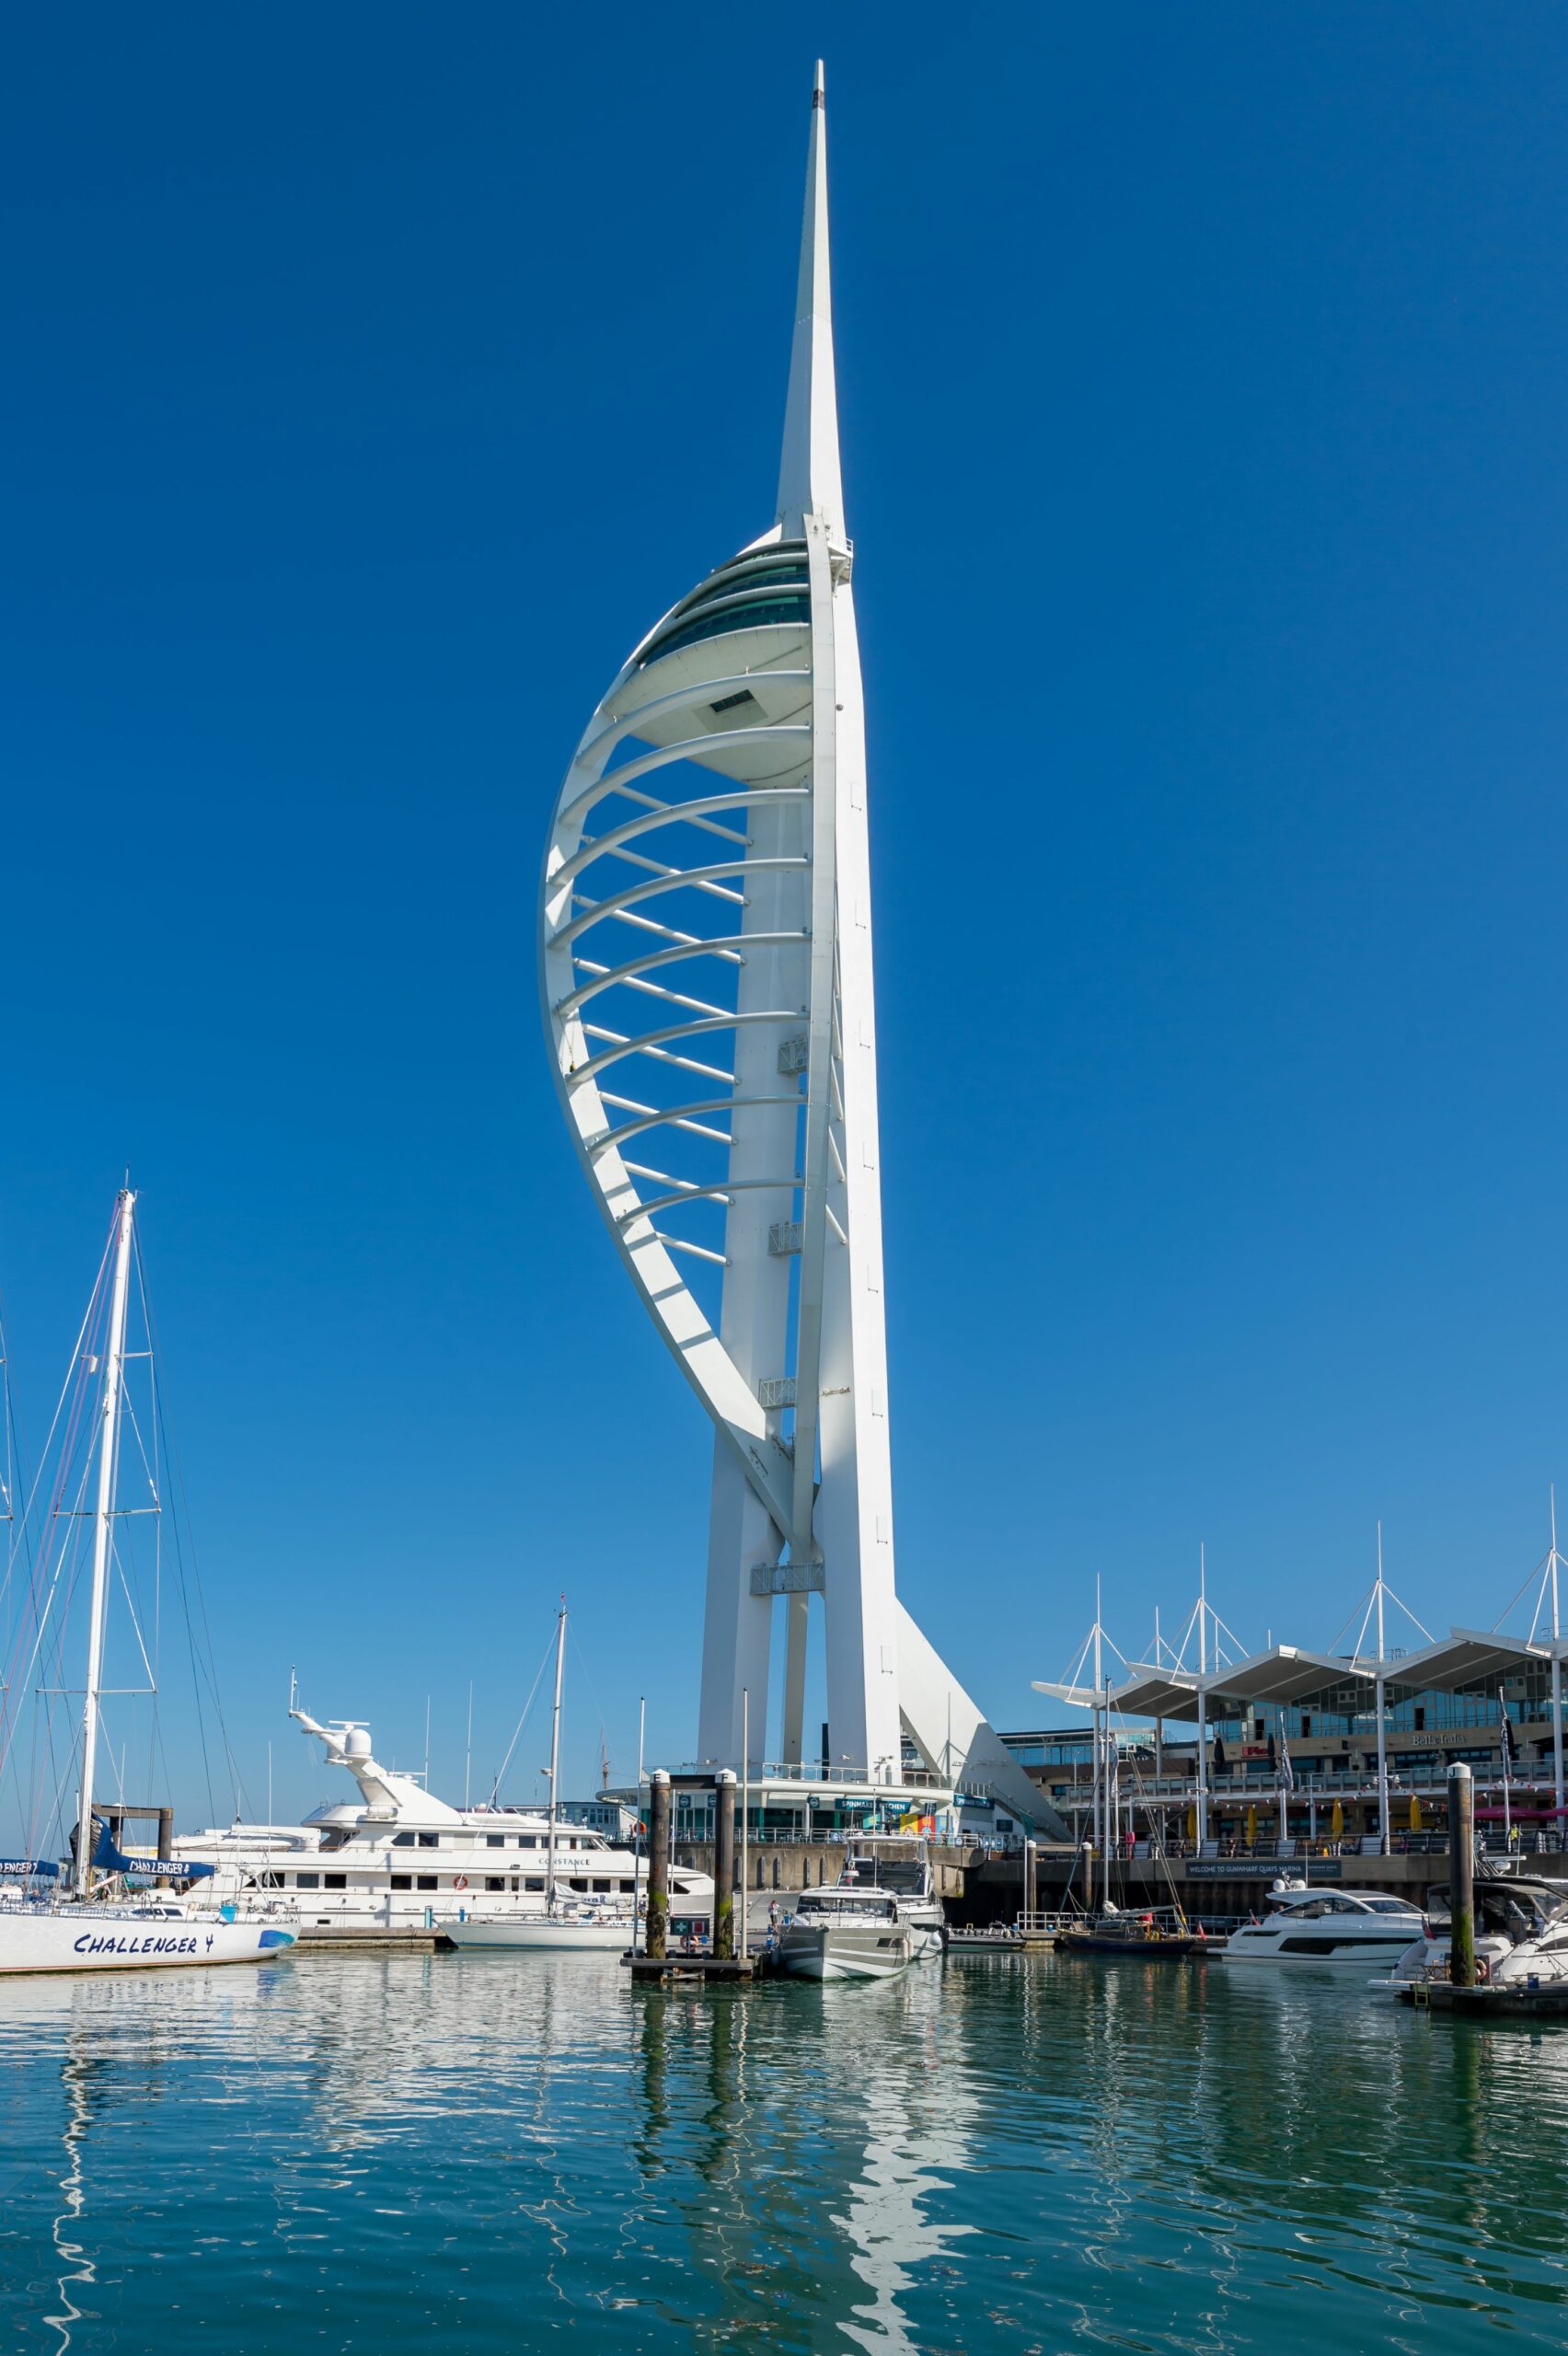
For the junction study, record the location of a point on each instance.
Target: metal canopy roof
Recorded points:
(1286, 1674)
(1465, 1656)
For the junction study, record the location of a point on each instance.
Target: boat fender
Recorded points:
(459, 1881)
(1483, 1971)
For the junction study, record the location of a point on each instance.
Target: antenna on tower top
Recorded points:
(809, 476)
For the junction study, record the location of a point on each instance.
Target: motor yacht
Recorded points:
(1521, 1933)
(901, 1862)
(399, 1855)
(1339, 1928)
(845, 1933)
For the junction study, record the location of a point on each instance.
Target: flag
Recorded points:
(1507, 1738)
(1285, 1770)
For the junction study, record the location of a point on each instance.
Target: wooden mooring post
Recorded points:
(1461, 1875)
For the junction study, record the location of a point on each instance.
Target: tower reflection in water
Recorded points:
(988, 2155)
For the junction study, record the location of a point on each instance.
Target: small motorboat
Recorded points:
(996, 1938)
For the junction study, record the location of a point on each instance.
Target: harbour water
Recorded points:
(471, 2154)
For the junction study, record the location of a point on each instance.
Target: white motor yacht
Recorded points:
(399, 1855)
(1521, 1932)
(901, 1862)
(1335, 1927)
(845, 1933)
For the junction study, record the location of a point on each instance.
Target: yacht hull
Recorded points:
(100, 1941)
(845, 1951)
(1352, 1957)
(540, 1937)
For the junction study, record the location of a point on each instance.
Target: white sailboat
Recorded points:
(75, 1932)
(566, 1920)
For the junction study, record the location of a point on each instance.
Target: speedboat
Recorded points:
(1336, 1927)
(845, 1933)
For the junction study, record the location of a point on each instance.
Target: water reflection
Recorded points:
(993, 2155)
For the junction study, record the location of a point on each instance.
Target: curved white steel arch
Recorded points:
(744, 702)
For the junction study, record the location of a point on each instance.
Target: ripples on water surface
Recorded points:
(481, 2153)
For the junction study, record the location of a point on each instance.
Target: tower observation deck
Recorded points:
(707, 977)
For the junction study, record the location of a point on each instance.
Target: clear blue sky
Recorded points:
(376, 375)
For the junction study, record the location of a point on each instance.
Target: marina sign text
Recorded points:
(1257, 1868)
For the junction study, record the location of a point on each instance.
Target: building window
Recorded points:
(1305, 1721)
(307, 1881)
(402, 1881)
(427, 1881)
(336, 1881)
(1420, 1717)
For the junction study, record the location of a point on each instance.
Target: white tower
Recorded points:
(706, 946)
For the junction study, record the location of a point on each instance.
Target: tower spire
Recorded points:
(809, 480)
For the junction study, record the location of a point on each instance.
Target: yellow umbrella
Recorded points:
(1415, 1812)
(1252, 1826)
(1191, 1824)
(1336, 1821)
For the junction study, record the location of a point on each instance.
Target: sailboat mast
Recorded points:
(1379, 1704)
(1100, 1840)
(103, 1518)
(1202, 1698)
(1556, 1674)
(555, 1755)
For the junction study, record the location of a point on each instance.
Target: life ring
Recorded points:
(459, 1881)
(1483, 1971)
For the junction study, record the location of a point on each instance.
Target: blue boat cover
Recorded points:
(109, 1860)
(28, 1870)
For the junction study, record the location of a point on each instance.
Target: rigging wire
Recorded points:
(521, 1722)
(180, 1520)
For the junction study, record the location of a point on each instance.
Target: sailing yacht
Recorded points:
(41, 1927)
(570, 1918)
